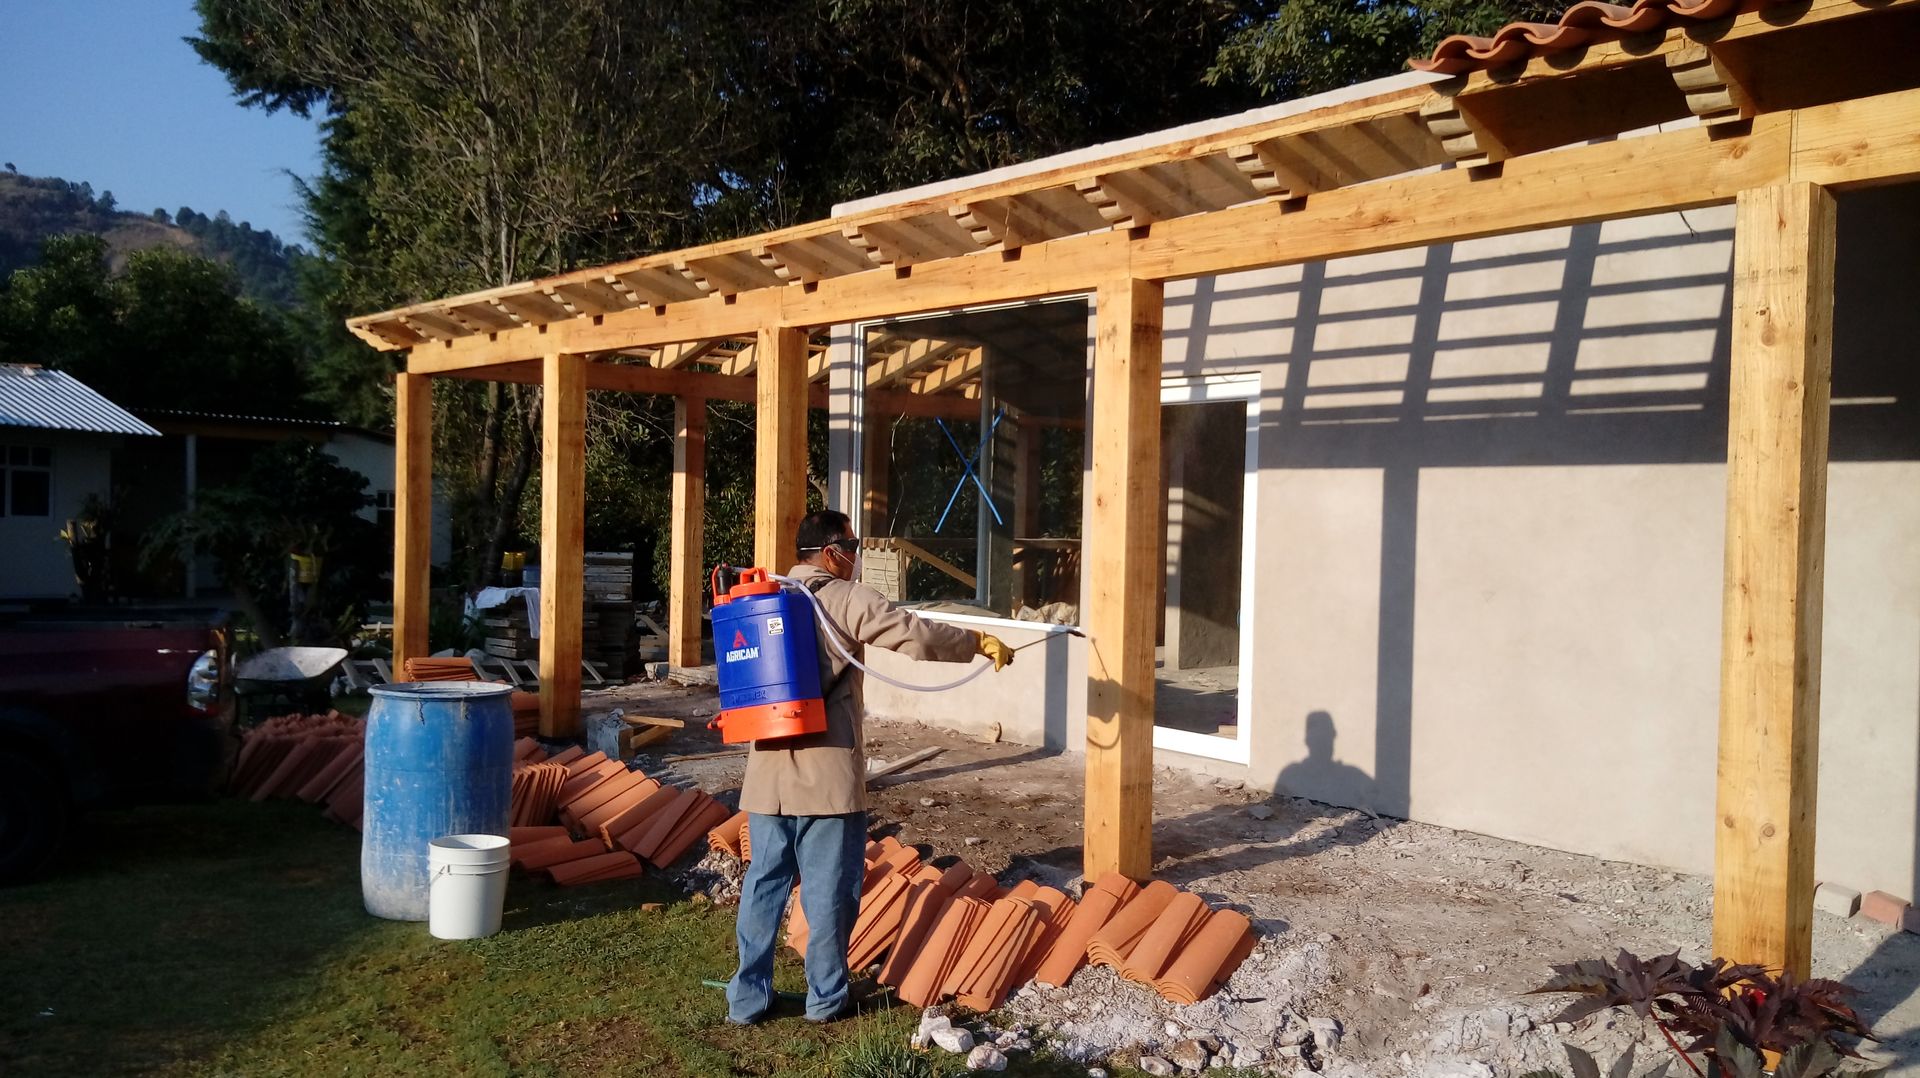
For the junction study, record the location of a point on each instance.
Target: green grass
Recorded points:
(228, 939)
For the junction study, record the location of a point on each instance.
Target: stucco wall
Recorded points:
(1490, 537)
(34, 563)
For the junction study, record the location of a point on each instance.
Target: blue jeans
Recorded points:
(828, 855)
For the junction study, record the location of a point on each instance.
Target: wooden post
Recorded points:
(563, 481)
(412, 515)
(780, 459)
(876, 473)
(1783, 277)
(1026, 510)
(1122, 565)
(687, 572)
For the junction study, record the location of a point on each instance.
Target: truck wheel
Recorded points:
(33, 814)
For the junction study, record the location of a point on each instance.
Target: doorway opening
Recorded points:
(1209, 432)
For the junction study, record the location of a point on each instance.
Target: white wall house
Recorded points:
(1478, 532)
(57, 438)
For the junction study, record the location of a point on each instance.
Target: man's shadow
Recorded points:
(1322, 777)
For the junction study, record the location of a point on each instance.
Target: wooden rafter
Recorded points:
(965, 367)
(1714, 92)
(910, 361)
(1312, 151)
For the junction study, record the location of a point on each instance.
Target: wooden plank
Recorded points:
(1783, 281)
(412, 514)
(654, 720)
(1123, 561)
(563, 479)
(780, 457)
(943, 565)
(914, 759)
(687, 565)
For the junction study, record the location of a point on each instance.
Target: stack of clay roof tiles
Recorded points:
(526, 705)
(1580, 25)
(626, 817)
(956, 933)
(318, 759)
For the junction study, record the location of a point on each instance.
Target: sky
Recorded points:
(107, 92)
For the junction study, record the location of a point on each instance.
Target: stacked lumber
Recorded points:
(955, 933)
(607, 624)
(507, 632)
(319, 759)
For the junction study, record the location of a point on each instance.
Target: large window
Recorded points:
(972, 461)
(26, 481)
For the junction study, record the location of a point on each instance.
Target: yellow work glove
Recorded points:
(994, 648)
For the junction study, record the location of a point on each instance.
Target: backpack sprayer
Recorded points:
(767, 656)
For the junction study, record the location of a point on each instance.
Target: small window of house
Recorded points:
(28, 487)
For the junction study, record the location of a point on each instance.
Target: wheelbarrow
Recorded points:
(297, 677)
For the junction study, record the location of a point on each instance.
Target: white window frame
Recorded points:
(1244, 386)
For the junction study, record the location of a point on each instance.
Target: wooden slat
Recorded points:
(412, 514)
(683, 353)
(1123, 563)
(563, 480)
(1783, 281)
(780, 457)
(687, 572)
(728, 274)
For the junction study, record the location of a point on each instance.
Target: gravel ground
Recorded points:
(1412, 945)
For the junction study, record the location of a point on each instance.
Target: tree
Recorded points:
(292, 499)
(172, 331)
(478, 143)
(1292, 48)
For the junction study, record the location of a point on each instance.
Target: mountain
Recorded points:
(35, 207)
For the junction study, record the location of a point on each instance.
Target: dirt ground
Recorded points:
(1418, 941)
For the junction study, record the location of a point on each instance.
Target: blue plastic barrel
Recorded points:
(439, 762)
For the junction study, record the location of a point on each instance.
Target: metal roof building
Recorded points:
(52, 400)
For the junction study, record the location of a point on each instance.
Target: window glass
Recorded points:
(972, 463)
(30, 492)
(16, 454)
(42, 457)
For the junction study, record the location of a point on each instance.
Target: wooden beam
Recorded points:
(780, 457)
(563, 482)
(687, 569)
(412, 515)
(1714, 92)
(683, 353)
(1783, 282)
(1122, 569)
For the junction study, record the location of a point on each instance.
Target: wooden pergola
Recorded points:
(1772, 108)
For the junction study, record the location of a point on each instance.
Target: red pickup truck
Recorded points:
(105, 708)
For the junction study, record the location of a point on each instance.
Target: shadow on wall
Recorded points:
(1603, 345)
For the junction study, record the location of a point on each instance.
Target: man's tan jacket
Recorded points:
(825, 774)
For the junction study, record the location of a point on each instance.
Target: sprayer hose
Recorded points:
(836, 637)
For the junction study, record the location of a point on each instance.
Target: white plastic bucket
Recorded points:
(467, 885)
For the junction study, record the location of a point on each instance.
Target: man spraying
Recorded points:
(806, 796)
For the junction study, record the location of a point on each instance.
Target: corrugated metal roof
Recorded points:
(52, 400)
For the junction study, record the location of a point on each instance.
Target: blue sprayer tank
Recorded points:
(439, 762)
(767, 656)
